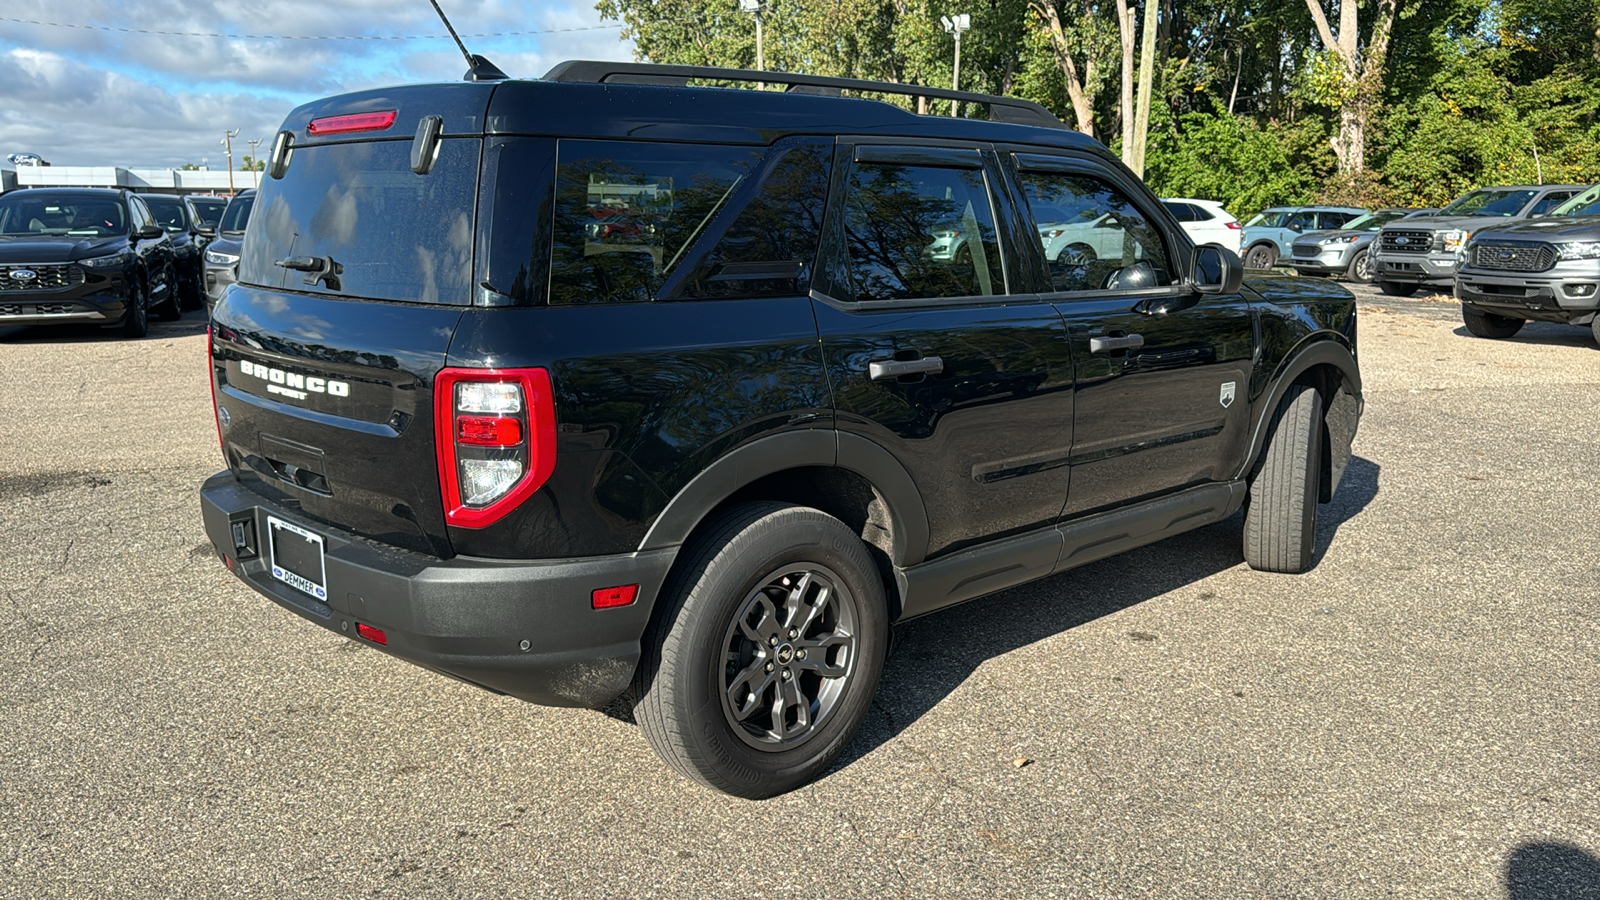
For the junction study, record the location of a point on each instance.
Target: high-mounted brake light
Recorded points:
(372, 121)
(495, 430)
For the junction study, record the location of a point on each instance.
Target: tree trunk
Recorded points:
(1078, 89)
(1362, 71)
(1125, 25)
(1147, 67)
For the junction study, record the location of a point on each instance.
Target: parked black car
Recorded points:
(704, 466)
(173, 214)
(74, 255)
(222, 253)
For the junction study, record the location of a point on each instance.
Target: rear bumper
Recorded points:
(463, 617)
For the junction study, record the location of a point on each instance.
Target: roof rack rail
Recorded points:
(1001, 109)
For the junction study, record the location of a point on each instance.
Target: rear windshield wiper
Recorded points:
(317, 269)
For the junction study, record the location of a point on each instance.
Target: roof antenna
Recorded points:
(478, 68)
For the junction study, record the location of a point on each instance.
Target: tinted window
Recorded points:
(1488, 203)
(208, 209)
(1183, 212)
(1100, 232)
(390, 233)
(1302, 221)
(168, 212)
(1336, 219)
(1549, 202)
(27, 212)
(770, 246)
(626, 213)
(238, 214)
(1202, 213)
(915, 232)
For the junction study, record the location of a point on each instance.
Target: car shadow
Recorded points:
(193, 322)
(1551, 871)
(936, 654)
(1546, 333)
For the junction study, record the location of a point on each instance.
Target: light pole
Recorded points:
(255, 166)
(955, 25)
(753, 7)
(227, 141)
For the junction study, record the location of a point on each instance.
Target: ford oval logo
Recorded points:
(23, 275)
(1400, 240)
(1506, 254)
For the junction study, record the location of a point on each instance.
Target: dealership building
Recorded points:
(150, 181)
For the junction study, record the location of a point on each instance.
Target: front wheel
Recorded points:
(1489, 325)
(171, 308)
(136, 320)
(1261, 256)
(1280, 524)
(765, 656)
(1360, 270)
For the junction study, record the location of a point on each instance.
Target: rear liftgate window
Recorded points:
(353, 219)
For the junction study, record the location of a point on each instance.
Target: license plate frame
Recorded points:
(300, 561)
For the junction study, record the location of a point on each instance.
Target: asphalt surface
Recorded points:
(1417, 717)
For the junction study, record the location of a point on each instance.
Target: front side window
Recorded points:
(919, 232)
(1549, 202)
(1090, 231)
(1302, 221)
(1271, 218)
(353, 219)
(627, 212)
(1585, 204)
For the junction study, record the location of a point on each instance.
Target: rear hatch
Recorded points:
(354, 272)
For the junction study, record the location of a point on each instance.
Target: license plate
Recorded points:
(295, 555)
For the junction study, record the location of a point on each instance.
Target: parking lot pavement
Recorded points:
(1416, 717)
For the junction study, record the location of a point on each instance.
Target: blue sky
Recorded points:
(119, 94)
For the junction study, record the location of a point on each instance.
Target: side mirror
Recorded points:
(1295, 227)
(1217, 270)
(150, 232)
(205, 230)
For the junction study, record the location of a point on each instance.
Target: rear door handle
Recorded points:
(1107, 344)
(884, 369)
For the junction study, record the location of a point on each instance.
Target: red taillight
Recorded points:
(606, 598)
(1235, 226)
(488, 431)
(372, 121)
(496, 440)
(371, 634)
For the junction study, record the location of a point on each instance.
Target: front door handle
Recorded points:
(884, 369)
(1107, 344)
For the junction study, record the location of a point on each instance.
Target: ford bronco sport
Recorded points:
(704, 462)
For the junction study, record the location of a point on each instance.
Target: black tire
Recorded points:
(1280, 522)
(136, 320)
(1261, 256)
(1595, 327)
(1397, 288)
(1489, 325)
(171, 308)
(1360, 269)
(710, 639)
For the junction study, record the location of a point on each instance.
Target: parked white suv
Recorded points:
(1206, 222)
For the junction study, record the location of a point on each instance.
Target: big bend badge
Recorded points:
(1227, 394)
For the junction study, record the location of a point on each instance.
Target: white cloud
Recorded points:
(90, 96)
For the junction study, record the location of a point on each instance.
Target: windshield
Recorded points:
(168, 212)
(238, 214)
(1585, 204)
(24, 212)
(1488, 203)
(1376, 220)
(208, 209)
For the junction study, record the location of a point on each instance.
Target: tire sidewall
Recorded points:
(136, 322)
(1361, 268)
(698, 629)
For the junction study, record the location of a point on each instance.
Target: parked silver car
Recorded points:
(1343, 251)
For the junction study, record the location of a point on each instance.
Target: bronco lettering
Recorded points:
(310, 383)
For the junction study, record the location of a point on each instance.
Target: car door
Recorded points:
(930, 352)
(1160, 400)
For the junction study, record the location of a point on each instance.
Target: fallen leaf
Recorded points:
(1021, 761)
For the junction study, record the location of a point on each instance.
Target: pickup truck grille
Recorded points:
(46, 277)
(1513, 257)
(1407, 241)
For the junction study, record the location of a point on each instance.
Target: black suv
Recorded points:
(177, 217)
(75, 255)
(815, 376)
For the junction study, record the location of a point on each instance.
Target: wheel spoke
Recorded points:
(755, 677)
(767, 627)
(789, 698)
(795, 602)
(821, 652)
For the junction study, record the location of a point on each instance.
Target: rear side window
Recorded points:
(1183, 212)
(915, 232)
(353, 219)
(627, 212)
(1549, 202)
